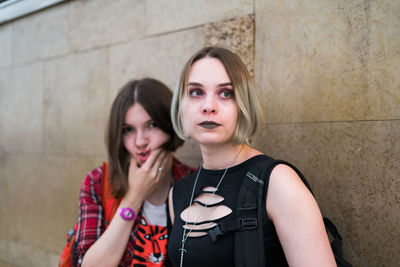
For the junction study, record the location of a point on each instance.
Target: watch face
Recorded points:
(127, 213)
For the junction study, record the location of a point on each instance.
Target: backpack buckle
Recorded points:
(70, 234)
(248, 224)
(215, 233)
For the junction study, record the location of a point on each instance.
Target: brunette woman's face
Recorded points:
(210, 113)
(140, 133)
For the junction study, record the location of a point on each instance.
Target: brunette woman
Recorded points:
(215, 104)
(140, 141)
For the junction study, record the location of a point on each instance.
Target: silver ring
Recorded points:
(160, 169)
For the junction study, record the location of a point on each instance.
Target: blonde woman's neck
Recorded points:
(226, 155)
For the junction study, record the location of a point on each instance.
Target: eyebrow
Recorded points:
(199, 84)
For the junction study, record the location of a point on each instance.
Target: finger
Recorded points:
(165, 166)
(152, 158)
(158, 164)
(132, 164)
(165, 161)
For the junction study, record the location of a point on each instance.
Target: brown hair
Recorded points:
(155, 97)
(249, 108)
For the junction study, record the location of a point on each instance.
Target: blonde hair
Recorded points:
(249, 108)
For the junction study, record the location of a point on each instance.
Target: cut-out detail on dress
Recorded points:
(209, 189)
(205, 211)
(203, 226)
(197, 214)
(209, 199)
(196, 234)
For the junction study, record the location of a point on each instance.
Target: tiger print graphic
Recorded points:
(151, 245)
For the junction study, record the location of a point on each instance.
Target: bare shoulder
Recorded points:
(296, 217)
(286, 190)
(284, 178)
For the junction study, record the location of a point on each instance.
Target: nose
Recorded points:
(209, 106)
(141, 139)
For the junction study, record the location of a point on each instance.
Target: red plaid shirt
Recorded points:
(91, 222)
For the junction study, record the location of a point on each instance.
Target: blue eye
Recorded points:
(195, 92)
(153, 125)
(227, 93)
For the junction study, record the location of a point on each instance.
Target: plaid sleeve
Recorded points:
(91, 223)
(180, 170)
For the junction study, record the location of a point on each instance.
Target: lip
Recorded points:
(143, 155)
(209, 124)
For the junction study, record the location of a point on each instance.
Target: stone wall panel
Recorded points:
(36, 37)
(166, 16)
(76, 90)
(99, 23)
(353, 168)
(161, 57)
(21, 111)
(236, 34)
(47, 202)
(5, 46)
(314, 62)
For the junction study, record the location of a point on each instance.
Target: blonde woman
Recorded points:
(216, 106)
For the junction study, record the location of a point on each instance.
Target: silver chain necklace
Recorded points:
(184, 236)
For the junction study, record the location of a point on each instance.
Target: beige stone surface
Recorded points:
(236, 34)
(75, 105)
(43, 36)
(7, 264)
(189, 153)
(21, 110)
(165, 16)
(5, 46)
(100, 23)
(354, 170)
(328, 61)
(43, 193)
(161, 57)
(11, 253)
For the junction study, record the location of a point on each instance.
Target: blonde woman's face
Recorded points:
(210, 112)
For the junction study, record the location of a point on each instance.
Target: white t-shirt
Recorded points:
(155, 215)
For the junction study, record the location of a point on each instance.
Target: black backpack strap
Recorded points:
(248, 223)
(249, 245)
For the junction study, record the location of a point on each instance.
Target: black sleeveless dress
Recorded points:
(201, 251)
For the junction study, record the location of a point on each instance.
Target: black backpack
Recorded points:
(248, 226)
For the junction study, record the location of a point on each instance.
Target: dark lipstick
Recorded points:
(209, 124)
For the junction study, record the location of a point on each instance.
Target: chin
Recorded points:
(210, 141)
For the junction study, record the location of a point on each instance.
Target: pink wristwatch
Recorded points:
(127, 214)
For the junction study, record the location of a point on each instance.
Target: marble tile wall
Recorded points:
(331, 61)
(328, 75)
(354, 170)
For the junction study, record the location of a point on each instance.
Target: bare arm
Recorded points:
(110, 247)
(171, 206)
(297, 219)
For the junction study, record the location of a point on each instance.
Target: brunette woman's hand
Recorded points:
(145, 179)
